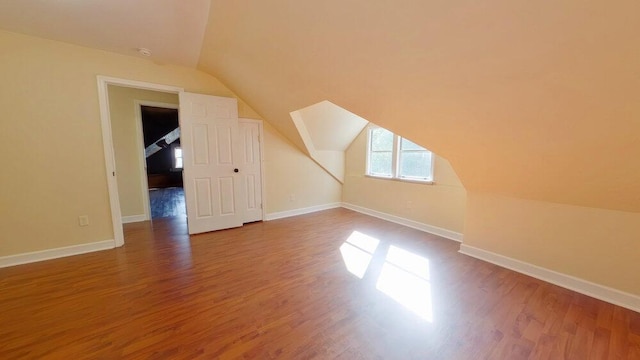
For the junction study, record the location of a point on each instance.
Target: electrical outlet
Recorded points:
(292, 197)
(83, 220)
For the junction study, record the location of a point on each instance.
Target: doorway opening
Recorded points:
(164, 164)
(212, 125)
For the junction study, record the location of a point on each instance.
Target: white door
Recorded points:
(211, 152)
(251, 169)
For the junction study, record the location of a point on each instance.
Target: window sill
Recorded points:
(411, 181)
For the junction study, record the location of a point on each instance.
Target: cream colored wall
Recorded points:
(597, 245)
(332, 161)
(289, 173)
(52, 150)
(126, 145)
(441, 204)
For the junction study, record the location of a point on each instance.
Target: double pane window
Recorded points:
(177, 158)
(392, 156)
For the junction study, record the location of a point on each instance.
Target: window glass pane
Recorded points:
(380, 163)
(415, 164)
(177, 154)
(409, 145)
(381, 140)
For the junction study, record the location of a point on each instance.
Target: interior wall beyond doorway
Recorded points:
(126, 145)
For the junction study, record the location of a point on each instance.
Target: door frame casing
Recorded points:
(107, 142)
(142, 160)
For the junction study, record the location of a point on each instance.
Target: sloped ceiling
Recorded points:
(532, 99)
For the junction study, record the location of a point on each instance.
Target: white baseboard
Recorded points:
(134, 218)
(585, 287)
(301, 211)
(30, 257)
(448, 234)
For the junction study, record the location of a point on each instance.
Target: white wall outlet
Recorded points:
(83, 220)
(292, 197)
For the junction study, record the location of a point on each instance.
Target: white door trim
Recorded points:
(262, 179)
(142, 159)
(107, 142)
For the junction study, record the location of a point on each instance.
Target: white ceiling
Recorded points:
(171, 30)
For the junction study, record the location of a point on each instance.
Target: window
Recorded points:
(381, 152)
(394, 157)
(177, 157)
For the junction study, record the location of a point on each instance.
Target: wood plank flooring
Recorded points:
(327, 285)
(167, 202)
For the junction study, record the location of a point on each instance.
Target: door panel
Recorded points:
(227, 198)
(203, 193)
(200, 147)
(250, 181)
(224, 140)
(251, 168)
(211, 150)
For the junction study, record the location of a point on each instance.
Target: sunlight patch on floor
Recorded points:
(357, 252)
(404, 276)
(405, 279)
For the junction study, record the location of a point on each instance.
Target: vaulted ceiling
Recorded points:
(532, 99)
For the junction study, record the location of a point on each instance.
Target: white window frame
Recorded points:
(395, 162)
(175, 158)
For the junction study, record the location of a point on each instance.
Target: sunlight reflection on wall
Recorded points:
(404, 276)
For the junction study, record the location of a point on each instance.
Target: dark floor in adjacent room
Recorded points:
(167, 202)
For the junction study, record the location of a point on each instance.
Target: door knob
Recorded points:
(235, 170)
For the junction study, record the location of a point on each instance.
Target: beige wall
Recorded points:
(289, 173)
(597, 245)
(127, 146)
(52, 141)
(441, 204)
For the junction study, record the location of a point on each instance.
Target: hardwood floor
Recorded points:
(325, 285)
(167, 202)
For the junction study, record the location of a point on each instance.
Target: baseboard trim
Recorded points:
(447, 234)
(134, 218)
(585, 287)
(301, 211)
(49, 254)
